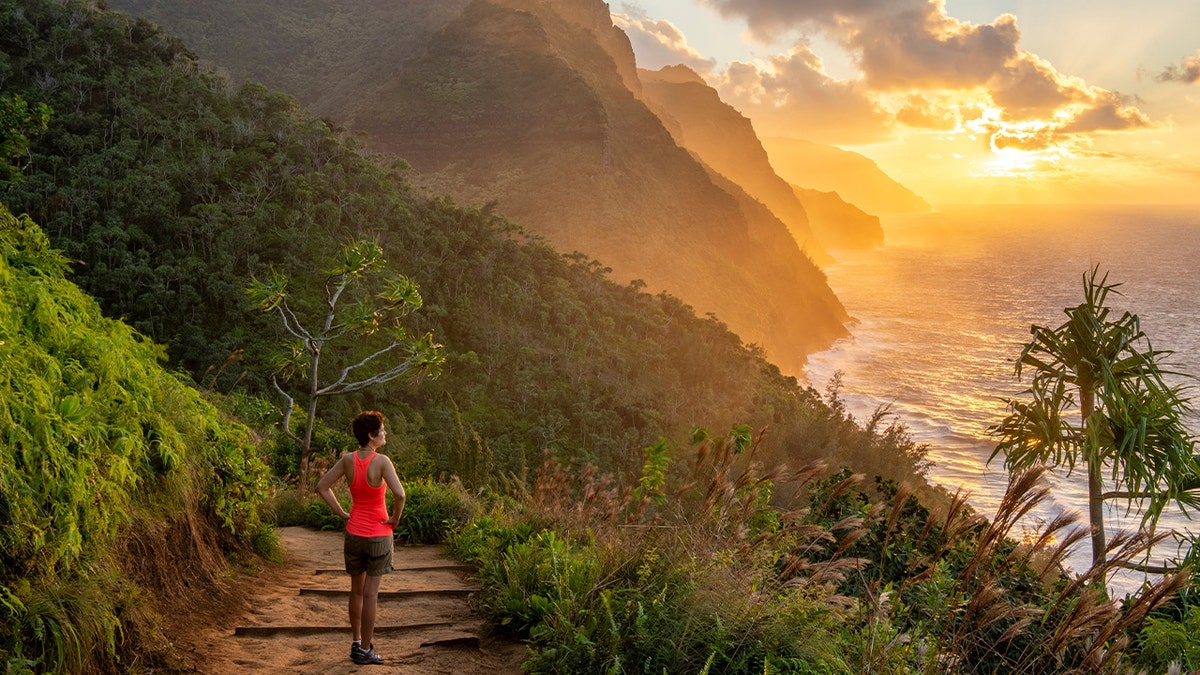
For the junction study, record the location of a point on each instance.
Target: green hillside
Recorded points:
(533, 105)
(173, 189)
(113, 472)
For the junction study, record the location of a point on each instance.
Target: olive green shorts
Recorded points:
(372, 555)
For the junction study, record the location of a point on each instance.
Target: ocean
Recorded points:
(943, 308)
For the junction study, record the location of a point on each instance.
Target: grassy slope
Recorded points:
(120, 487)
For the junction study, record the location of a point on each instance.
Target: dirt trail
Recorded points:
(293, 617)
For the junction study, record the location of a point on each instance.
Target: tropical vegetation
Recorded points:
(109, 466)
(400, 354)
(1099, 396)
(612, 532)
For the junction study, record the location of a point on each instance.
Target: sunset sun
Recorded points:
(958, 101)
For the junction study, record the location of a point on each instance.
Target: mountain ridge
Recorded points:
(514, 103)
(723, 138)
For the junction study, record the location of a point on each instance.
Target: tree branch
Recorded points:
(287, 411)
(334, 387)
(289, 319)
(341, 328)
(331, 299)
(386, 376)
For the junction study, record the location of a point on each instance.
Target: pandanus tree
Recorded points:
(1098, 396)
(374, 316)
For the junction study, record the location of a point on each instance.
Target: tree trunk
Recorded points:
(1095, 476)
(306, 446)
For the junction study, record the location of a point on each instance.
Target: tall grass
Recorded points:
(714, 570)
(606, 579)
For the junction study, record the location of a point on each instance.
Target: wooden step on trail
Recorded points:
(300, 631)
(451, 567)
(391, 595)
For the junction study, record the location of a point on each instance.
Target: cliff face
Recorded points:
(839, 224)
(529, 104)
(725, 140)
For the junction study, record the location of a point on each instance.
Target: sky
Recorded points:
(1016, 101)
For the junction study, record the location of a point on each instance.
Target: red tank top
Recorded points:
(368, 505)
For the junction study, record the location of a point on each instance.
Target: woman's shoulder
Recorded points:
(380, 459)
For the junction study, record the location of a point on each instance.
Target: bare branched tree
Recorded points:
(401, 354)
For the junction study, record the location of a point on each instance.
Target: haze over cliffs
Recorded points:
(725, 140)
(854, 177)
(538, 107)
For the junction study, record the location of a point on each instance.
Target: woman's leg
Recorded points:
(368, 604)
(357, 582)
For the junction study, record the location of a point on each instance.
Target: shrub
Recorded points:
(432, 511)
(604, 580)
(1165, 641)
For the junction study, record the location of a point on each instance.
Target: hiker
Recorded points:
(368, 539)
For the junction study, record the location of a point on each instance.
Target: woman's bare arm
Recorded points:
(326, 483)
(393, 482)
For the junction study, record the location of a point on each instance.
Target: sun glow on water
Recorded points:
(945, 306)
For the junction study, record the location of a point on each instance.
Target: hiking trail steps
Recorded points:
(295, 619)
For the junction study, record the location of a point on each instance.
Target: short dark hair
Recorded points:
(366, 424)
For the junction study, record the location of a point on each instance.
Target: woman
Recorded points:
(368, 545)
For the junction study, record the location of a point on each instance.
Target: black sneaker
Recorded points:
(355, 648)
(366, 657)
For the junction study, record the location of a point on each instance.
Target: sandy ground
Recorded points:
(292, 618)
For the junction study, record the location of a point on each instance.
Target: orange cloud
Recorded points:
(1106, 112)
(930, 70)
(927, 49)
(1028, 87)
(1187, 72)
(771, 18)
(792, 94)
(918, 110)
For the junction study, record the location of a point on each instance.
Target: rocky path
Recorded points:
(293, 619)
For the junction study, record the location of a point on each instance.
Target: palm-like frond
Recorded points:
(1099, 395)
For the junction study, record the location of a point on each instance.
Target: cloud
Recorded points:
(1028, 87)
(1108, 111)
(1025, 139)
(791, 94)
(927, 49)
(771, 18)
(1070, 130)
(1187, 72)
(925, 112)
(913, 57)
(660, 43)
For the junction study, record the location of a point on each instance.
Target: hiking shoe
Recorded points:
(366, 657)
(355, 648)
